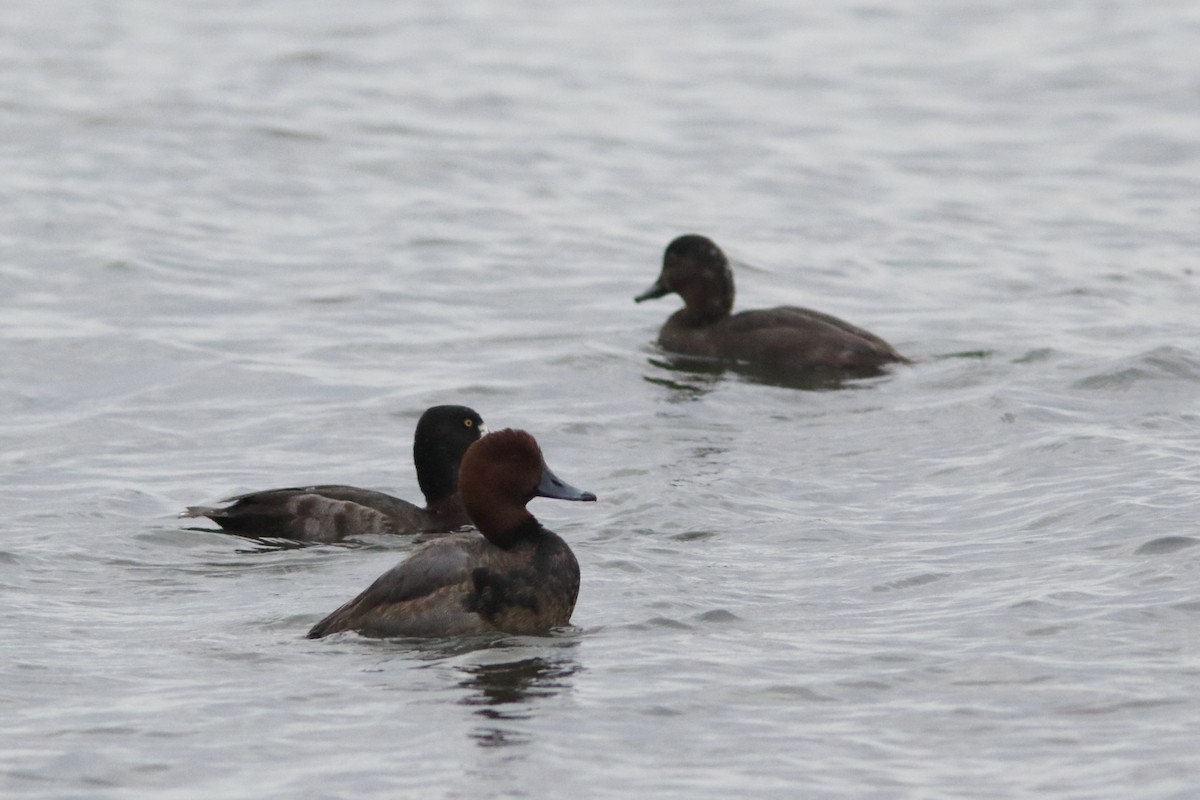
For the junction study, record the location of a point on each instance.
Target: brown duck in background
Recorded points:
(331, 513)
(517, 577)
(787, 337)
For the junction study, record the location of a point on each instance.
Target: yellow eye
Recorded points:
(469, 422)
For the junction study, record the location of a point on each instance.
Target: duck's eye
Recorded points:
(470, 423)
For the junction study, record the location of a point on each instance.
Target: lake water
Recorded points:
(245, 244)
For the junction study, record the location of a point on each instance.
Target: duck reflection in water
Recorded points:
(504, 693)
(689, 378)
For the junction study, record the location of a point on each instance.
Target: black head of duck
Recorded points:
(695, 269)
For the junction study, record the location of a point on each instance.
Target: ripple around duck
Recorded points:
(663, 623)
(911, 582)
(1149, 150)
(1165, 545)
(1160, 364)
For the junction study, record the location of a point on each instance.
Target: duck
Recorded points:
(786, 338)
(330, 513)
(517, 577)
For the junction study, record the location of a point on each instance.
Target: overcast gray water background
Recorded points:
(245, 244)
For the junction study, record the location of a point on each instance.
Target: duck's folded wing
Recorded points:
(434, 566)
(776, 326)
(314, 513)
(794, 317)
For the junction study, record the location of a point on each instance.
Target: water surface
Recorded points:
(245, 245)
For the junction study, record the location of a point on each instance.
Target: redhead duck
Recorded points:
(786, 338)
(517, 577)
(330, 513)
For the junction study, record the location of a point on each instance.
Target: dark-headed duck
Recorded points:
(331, 513)
(786, 337)
(517, 577)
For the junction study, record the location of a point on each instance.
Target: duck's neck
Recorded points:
(449, 507)
(437, 475)
(504, 527)
(708, 301)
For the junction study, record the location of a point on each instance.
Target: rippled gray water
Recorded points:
(246, 244)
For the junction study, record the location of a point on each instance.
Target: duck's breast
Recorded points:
(678, 336)
(529, 588)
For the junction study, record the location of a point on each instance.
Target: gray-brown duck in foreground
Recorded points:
(785, 338)
(331, 513)
(517, 577)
